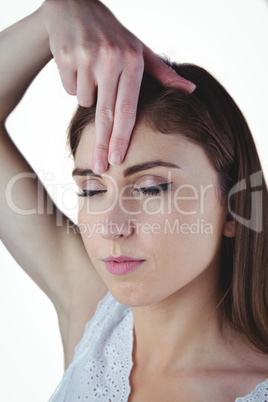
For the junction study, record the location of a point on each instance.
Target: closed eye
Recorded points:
(152, 190)
(90, 193)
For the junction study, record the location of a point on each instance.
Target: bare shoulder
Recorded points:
(230, 375)
(195, 385)
(248, 367)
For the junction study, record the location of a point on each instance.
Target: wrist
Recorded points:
(41, 26)
(43, 12)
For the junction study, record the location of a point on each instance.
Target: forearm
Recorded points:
(93, 52)
(24, 50)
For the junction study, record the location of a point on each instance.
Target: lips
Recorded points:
(121, 258)
(122, 264)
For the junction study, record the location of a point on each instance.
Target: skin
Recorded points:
(77, 33)
(179, 334)
(57, 260)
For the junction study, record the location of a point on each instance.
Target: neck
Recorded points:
(180, 330)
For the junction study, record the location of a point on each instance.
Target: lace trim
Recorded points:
(259, 394)
(100, 368)
(102, 361)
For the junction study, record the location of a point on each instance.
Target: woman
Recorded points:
(198, 301)
(203, 345)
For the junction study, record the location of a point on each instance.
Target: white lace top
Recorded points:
(102, 360)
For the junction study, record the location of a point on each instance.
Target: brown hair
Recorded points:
(211, 119)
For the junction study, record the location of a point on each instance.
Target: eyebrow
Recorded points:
(130, 170)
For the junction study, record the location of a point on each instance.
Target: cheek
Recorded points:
(189, 239)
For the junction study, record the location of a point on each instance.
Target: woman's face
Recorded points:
(176, 228)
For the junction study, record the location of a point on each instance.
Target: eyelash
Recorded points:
(152, 190)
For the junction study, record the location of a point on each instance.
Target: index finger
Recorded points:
(125, 110)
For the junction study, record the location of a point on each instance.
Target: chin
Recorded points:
(131, 295)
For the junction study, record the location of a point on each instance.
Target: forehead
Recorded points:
(143, 141)
(147, 144)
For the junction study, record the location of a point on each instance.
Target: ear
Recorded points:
(229, 227)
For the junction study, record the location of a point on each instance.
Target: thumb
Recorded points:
(164, 73)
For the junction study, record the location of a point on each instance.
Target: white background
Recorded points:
(229, 38)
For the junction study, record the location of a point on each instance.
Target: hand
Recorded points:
(94, 52)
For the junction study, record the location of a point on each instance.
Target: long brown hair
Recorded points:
(210, 118)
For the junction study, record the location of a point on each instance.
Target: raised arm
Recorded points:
(93, 52)
(32, 228)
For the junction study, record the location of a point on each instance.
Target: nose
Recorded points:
(117, 224)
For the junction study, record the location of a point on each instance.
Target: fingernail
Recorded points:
(192, 87)
(115, 158)
(99, 166)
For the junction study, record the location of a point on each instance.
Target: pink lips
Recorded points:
(121, 264)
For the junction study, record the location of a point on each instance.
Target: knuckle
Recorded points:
(134, 59)
(127, 110)
(120, 142)
(63, 57)
(109, 56)
(83, 54)
(107, 50)
(105, 115)
(102, 147)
